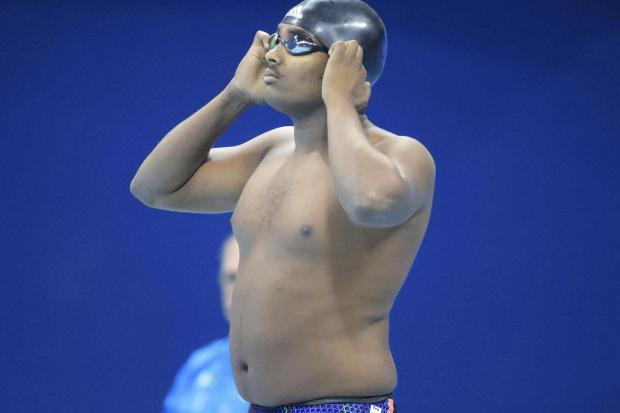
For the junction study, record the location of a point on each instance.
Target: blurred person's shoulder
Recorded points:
(210, 352)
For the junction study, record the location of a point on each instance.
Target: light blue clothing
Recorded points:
(205, 383)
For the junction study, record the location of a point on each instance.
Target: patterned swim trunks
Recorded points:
(384, 404)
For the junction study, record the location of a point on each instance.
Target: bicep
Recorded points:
(216, 185)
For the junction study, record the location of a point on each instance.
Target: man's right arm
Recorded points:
(184, 173)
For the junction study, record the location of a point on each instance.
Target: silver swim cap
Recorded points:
(342, 20)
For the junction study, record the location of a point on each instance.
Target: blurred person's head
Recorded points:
(229, 263)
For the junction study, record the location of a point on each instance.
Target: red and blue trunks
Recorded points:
(382, 404)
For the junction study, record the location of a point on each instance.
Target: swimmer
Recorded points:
(329, 213)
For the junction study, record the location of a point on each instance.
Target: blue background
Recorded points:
(512, 304)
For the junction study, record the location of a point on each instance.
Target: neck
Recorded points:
(310, 130)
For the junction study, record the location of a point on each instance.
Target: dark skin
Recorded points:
(329, 214)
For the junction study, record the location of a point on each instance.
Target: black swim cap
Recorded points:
(342, 20)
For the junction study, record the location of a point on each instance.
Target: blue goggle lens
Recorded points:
(295, 45)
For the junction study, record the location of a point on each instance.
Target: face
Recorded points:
(228, 273)
(297, 88)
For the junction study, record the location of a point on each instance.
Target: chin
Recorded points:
(291, 107)
(272, 100)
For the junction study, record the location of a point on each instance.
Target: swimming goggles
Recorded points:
(296, 45)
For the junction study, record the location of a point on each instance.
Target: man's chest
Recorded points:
(290, 202)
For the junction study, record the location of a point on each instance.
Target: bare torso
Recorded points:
(309, 316)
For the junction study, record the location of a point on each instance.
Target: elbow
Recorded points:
(382, 209)
(140, 193)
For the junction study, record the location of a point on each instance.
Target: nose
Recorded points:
(274, 56)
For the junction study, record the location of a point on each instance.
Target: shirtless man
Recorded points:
(329, 213)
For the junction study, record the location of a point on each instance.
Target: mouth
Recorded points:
(271, 74)
(268, 78)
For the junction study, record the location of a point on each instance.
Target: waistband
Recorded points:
(384, 405)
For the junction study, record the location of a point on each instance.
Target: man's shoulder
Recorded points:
(267, 141)
(278, 135)
(401, 145)
(277, 140)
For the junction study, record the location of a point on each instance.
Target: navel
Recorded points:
(305, 231)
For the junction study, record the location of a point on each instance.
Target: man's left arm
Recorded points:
(376, 188)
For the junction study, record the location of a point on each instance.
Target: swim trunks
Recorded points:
(383, 404)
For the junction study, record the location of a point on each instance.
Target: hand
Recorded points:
(248, 80)
(345, 76)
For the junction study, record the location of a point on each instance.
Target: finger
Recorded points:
(261, 38)
(359, 53)
(337, 47)
(351, 48)
(364, 98)
(367, 92)
(363, 71)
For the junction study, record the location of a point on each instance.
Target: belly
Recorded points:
(309, 315)
(296, 336)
